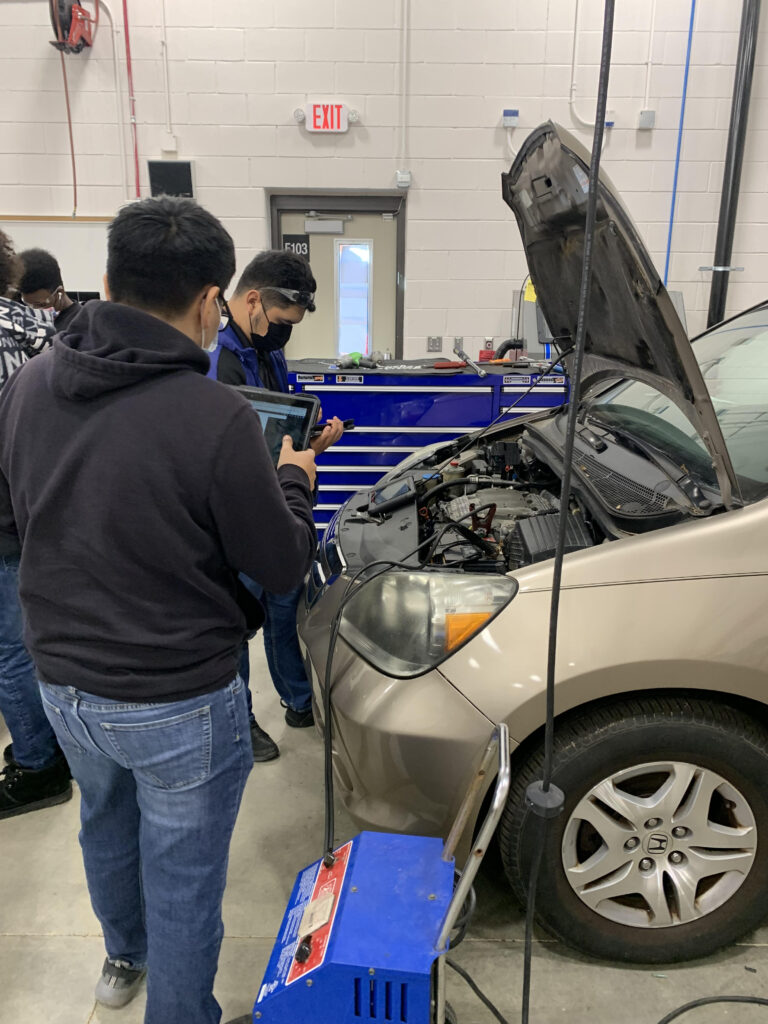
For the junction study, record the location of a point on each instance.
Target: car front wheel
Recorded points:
(656, 856)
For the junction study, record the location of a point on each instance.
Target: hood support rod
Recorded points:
(734, 158)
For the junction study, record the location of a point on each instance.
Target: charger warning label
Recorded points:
(325, 895)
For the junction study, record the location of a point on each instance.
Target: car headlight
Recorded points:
(405, 623)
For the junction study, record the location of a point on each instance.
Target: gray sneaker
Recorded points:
(118, 984)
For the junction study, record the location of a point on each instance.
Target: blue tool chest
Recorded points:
(402, 407)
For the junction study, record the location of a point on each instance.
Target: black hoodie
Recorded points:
(139, 488)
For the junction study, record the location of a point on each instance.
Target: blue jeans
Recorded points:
(281, 644)
(160, 789)
(34, 742)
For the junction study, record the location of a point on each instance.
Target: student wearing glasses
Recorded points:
(273, 294)
(42, 288)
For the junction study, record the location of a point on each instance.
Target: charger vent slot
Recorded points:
(380, 1000)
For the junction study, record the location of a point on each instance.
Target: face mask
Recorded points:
(276, 337)
(212, 344)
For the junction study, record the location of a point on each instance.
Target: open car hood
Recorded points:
(633, 329)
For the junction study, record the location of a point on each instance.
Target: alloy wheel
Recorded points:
(659, 844)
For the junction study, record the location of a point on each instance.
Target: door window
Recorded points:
(354, 295)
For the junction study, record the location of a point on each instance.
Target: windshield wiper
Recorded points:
(679, 475)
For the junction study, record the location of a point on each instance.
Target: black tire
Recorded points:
(450, 1015)
(592, 746)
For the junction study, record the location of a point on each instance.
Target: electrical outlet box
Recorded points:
(434, 343)
(510, 118)
(646, 120)
(403, 179)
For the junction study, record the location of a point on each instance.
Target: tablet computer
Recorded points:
(282, 414)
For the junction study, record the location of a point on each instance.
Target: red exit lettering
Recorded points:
(327, 117)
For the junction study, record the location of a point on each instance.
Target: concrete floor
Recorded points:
(51, 950)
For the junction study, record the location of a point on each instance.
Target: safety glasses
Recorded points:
(305, 299)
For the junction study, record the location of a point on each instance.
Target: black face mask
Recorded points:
(276, 337)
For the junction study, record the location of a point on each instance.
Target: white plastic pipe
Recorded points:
(118, 96)
(649, 61)
(166, 73)
(574, 64)
(405, 10)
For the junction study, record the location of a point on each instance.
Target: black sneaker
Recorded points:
(264, 747)
(118, 984)
(299, 719)
(11, 760)
(22, 789)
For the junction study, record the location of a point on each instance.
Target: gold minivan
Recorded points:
(661, 742)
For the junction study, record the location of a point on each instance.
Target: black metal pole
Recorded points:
(734, 157)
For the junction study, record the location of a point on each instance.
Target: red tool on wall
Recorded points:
(75, 27)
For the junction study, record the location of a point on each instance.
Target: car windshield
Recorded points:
(734, 363)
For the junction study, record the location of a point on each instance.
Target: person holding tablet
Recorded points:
(141, 490)
(273, 294)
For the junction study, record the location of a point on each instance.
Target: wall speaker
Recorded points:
(171, 178)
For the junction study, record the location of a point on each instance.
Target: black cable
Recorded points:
(478, 992)
(530, 908)
(756, 1000)
(467, 913)
(574, 397)
(546, 801)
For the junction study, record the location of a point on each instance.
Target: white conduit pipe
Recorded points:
(574, 63)
(649, 61)
(118, 96)
(404, 82)
(166, 73)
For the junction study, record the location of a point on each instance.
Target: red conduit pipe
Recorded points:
(71, 137)
(131, 97)
(60, 37)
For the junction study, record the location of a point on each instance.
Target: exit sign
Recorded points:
(326, 117)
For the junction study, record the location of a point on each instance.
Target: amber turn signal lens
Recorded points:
(460, 626)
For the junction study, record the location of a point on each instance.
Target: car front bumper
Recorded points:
(404, 750)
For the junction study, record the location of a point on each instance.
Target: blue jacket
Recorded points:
(234, 340)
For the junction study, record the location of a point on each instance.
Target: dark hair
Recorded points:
(278, 268)
(41, 270)
(10, 267)
(163, 251)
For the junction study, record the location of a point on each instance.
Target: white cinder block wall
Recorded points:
(239, 68)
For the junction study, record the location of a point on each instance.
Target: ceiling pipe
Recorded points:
(734, 158)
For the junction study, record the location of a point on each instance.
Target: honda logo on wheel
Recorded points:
(658, 843)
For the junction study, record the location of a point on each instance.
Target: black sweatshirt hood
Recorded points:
(109, 346)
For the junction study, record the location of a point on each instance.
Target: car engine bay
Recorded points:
(495, 508)
(491, 503)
